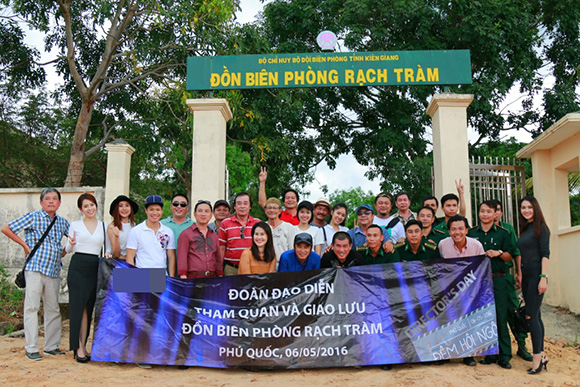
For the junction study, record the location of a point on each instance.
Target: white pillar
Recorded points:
(208, 170)
(118, 172)
(450, 152)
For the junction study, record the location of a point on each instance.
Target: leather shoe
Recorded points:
(487, 360)
(387, 367)
(469, 361)
(504, 364)
(524, 354)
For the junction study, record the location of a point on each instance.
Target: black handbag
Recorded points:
(520, 320)
(20, 280)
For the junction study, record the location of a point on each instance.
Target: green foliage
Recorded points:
(575, 209)
(18, 68)
(353, 198)
(11, 298)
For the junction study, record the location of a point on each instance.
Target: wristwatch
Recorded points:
(500, 253)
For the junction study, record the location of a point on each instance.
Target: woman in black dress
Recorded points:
(87, 239)
(534, 245)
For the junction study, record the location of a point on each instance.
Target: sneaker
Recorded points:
(34, 356)
(54, 352)
(145, 366)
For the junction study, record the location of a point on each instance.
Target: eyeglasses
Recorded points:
(178, 204)
(364, 212)
(272, 207)
(242, 235)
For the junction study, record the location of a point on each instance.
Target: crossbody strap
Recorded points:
(39, 242)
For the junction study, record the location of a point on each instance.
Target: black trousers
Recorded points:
(530, 281)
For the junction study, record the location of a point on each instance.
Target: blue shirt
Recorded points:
(289, 262)
(359, 238)
(47, 258)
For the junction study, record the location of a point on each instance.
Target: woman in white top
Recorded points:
(338, 215)
(305, 213)
(87, 239)
(123, 211)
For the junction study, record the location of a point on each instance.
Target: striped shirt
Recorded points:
(230, 236)
(47, 258)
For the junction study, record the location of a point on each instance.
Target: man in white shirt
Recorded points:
(151, 244)
(395, 228)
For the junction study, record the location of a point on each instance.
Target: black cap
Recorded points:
(222, 202)
(123, 198)
(303, 237)
(305, 204)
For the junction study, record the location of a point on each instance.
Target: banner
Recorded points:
(377, 314)
(323, 69)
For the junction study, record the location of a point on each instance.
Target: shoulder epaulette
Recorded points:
(472, 228)
(430, 245)
(437, 230)
(361, 248)
(501, 228)
(400, 244)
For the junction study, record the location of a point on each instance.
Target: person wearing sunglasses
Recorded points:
(365, 216)
(178, 221)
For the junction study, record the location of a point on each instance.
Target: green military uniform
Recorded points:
(498, 238)
(437, 221)
(426, 251)
(513, 295)
(381, 257)
(435, 236)
(442, 227)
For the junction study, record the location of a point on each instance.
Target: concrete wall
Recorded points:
(555, 154)
(15, 202)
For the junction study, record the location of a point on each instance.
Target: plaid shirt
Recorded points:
(47, 258)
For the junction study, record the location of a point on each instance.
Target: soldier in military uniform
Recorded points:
(415, 247)
(374, 253)
(426, 215)
(500, 248)
(519, 336)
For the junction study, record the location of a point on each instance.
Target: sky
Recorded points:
(348, 172)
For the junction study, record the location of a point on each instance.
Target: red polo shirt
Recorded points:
(287, 217)
(230, 236)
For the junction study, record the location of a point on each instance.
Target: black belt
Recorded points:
(202, 273)
(496, 275)
(236, 265)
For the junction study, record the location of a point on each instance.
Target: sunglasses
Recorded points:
(365, 212)
(178, 204)
(242, 235)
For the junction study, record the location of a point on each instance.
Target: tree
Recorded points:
(386, 128)
(352, 197)
(18, 62)
(115, 52)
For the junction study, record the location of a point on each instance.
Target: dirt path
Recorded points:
(563, 369)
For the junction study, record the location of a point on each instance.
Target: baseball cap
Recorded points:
(303, 237)
(366, 207)
(153, 199)
(305, 204)
(222, 202)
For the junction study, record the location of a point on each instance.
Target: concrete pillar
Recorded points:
(208, 171)
(118, 169)
(450, 153)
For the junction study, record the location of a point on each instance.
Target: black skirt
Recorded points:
(82, 292)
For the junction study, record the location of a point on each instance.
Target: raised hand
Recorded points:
(263, 175)
(72, 239)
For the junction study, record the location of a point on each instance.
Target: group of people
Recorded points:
(295, 237)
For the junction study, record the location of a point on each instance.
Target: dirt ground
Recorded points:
(562, 330)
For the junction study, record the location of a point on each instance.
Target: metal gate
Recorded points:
(503, 179)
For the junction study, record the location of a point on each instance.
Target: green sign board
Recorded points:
(442, 67)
